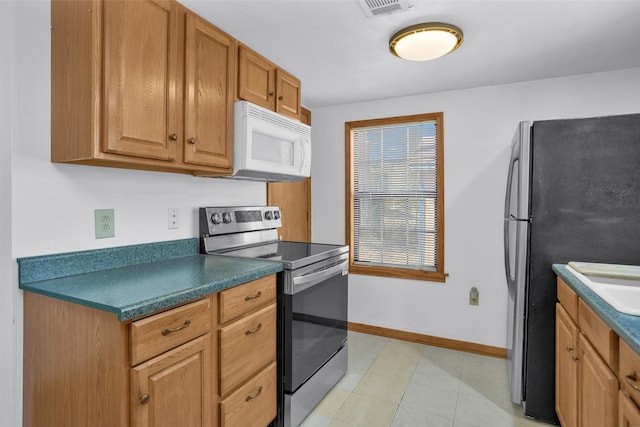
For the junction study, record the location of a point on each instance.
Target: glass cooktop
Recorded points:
(291, 254)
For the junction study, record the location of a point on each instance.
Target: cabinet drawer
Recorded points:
(241, 300)
(169, 329)
(253, 404)
(603, 339)
(629, 372)
(247, 346)
(568, 298)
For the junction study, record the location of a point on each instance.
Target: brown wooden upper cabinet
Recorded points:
(265, 84)
(141, 84)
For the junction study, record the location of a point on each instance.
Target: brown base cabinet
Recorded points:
(185, 366)
(587, 354)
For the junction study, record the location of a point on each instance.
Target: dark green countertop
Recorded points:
(625, 325)
(137, 280)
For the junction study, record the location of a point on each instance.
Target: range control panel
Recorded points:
(226, 220)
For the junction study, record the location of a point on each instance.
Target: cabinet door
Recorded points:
(256, 79)
(209, 94)
(566, 368)
(288, 94)
(174, 389)
(628, 412)
(140, 78)
(598, 389)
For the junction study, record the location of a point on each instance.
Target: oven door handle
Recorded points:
(301, 283)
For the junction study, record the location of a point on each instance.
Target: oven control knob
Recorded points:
(276, 214)
(226, 217)
(216, 218)
(268, 215)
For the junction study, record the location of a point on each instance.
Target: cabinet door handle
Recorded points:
(173, 137)
(575, 358)
(281, 97)
(250, 297)
(271, 93)
(167, 331)
(191, 140)
(569, 348)
(253, 396)
(254, 330)
(144, 399)
(631, 380)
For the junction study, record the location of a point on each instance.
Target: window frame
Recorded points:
(439, 274)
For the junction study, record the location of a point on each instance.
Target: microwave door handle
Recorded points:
(303, 154)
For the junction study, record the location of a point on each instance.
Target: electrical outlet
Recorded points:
(474, 296)
(174, 218)
(105, 222)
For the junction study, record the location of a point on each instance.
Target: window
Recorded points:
(395, 197)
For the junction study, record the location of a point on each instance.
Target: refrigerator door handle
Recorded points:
(508, 217)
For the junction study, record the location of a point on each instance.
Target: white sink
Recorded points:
(621, 294)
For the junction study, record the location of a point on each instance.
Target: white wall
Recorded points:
(48, 208)
(478, 127)
(9, 357)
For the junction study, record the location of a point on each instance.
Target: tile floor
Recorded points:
(393, 383)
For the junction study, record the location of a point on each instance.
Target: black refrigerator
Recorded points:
(573, 194)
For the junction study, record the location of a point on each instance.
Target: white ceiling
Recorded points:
(342, 56)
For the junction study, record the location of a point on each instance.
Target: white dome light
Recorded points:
(426, 41)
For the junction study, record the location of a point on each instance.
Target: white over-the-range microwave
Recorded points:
(269, 146)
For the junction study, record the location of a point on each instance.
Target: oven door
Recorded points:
(315, 319)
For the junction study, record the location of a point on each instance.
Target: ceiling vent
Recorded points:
(383, 7)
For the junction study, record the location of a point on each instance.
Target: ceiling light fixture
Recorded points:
(426, 41)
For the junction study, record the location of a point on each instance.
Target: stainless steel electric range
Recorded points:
(312, 301)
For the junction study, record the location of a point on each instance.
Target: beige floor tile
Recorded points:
(406, 418)
(382, 386)
(424, 399)
(338, 423)
(361, 360)
(315, 420)
(360, 410)
(478, 411)
(366, 342)
(331, 402)
(350, 380)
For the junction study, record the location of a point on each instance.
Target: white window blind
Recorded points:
(395, 195)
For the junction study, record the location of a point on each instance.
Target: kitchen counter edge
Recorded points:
(625, 325)
(136, 290)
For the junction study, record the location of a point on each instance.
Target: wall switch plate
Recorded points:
(105, 223)
(174, 218)
(474, 296)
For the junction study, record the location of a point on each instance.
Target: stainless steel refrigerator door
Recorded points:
(516, 227)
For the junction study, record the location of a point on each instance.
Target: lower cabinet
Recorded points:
(598, 389)
(180, 367)
(174, 389)
(586, 365)
(247, 334)
(566, 368)
(628, 412)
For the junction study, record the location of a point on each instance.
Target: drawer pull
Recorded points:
(167, 331)
(251, 397)
(631, 380)
(144, 399)
(250, 297)
(254, 330)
